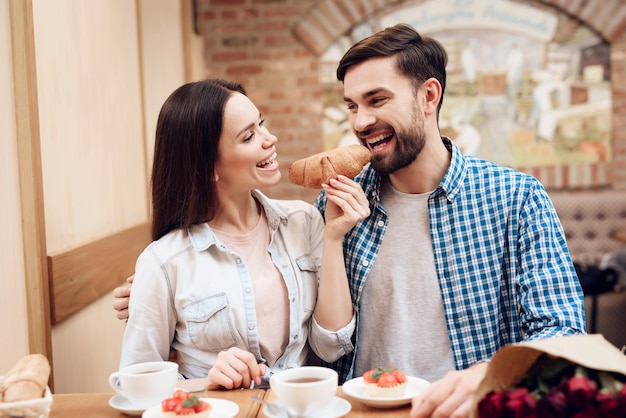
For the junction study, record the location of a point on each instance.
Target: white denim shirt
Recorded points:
(193, 294)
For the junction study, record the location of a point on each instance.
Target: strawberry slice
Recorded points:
(400, 376)
(368, 378)
(372, 376)
(387, 380)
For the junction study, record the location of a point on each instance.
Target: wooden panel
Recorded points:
(31, 189)
(84, 274)
(90, 116)
(193, 42)
(13, 310)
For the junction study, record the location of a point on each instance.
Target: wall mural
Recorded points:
(524, 88)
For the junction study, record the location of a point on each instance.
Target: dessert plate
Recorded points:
(124, 405)
(220, 408)
(355, 388)
(338, 407)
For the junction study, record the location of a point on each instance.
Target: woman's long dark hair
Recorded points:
(185, 152)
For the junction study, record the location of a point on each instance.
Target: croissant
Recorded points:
(26, 380)
(313, 171)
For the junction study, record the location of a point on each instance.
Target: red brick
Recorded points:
(228, 28)
(282, 11)
(213, 3)
(240, 41)
(279, 40)
(229, 56)
(272, 26)
(272, 54)
(244, 69)
(240, 14)
(269, 1)
(209, 15)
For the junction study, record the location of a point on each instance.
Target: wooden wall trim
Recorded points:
(30, 177)
(81, 275)
(193, 41)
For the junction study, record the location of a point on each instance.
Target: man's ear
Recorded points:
(432, 95)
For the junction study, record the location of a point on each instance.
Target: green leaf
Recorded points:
(380, 370)
(191, 402)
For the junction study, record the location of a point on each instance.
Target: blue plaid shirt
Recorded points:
(504, 269)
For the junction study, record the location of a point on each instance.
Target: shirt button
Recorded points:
(295, 337)
(293, 300)
(247, 290)
(251, 326)
(366, 263)
(238, 260)
(381, 223)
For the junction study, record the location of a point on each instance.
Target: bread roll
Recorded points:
(313, 171)
(26, 380)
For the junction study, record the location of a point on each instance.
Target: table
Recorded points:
(620, 236)
(96, 405)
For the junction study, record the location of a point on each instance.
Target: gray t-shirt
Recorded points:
(401, 311)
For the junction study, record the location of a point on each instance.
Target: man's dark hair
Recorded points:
(417, 57)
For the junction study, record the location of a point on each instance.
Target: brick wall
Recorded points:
(272, 48)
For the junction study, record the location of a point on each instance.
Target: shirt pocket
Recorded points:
(209, 323)
(308, 267)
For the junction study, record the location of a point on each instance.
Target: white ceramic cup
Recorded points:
(304, 389)
(146, 384)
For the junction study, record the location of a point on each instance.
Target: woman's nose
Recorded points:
(270, 139)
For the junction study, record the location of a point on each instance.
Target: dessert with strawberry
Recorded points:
(184, 403)
(385, 382)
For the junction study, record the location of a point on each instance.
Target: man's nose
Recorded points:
(362, 119)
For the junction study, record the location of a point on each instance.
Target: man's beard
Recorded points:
(409, 144)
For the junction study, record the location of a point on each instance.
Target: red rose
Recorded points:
(560, 389)
(585, 414)
(518, 403)
(552, 405)
(490, 405)
(513, 404)
(607, 405)
(530, 404)
(581, 390)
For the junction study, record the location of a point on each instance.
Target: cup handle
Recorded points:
(114, 382)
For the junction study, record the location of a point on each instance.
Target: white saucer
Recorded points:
(124, 405)
(220, 408)
(338, 407)
(355, 388)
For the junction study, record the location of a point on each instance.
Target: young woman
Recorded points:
(237, 284)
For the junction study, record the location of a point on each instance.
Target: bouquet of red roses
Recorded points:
(579, 376)
(555, 387)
